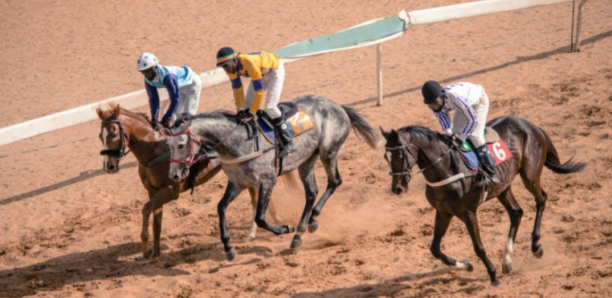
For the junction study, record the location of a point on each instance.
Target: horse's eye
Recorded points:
(181, 146)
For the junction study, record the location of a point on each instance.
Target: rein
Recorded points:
(405, 149)
(192, 158)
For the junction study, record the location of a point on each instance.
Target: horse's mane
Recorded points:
(421, 131)
(138, 116)
(217, 114)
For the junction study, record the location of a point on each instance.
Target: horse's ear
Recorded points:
(116, 111)
(100, 113)
(384, 133)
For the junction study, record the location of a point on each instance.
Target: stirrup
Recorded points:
(481, 180)
(289, 148)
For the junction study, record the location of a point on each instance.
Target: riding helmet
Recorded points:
(431, 91)
(225, 55)
(146, 61)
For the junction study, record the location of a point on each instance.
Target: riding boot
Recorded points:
(487, 164)
(284, 135)
(210, 152)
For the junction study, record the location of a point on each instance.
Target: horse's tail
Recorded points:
(554, 164)
(362, 127)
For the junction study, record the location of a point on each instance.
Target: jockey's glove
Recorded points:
(455, 141)
(244, 116)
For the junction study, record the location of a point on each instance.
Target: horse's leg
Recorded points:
(253, 227)
(155, 204)
(532, 183)
(144, 233)
(330, 163)
(231, 192)
(159, 200)
(471, 222)
(265, 192)
(311, 190)
(515, 213)
(440, 227)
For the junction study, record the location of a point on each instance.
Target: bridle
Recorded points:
(121, 152)
(193, 156)
(406, 168)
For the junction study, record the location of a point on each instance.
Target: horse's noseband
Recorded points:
(193, 157)
(121, 152)
(406, 168)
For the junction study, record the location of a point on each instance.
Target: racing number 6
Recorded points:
(499, 152)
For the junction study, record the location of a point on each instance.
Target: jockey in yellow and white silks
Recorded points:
(470, 104)
(267, 76)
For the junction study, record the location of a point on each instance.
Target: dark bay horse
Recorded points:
(122, 130)
(451, 189)
(332, 125)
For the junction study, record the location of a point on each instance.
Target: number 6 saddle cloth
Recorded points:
(298, 121)
(495, 144)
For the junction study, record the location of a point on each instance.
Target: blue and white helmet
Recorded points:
(146, 61)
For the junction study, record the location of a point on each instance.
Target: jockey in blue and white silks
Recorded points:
(182, 83)
(470, 104)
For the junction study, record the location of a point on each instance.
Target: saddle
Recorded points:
(298, 121)
(496, 146)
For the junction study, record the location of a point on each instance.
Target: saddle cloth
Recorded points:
(298, 121)
(495, 144)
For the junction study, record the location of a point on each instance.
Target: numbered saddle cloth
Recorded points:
(298, 121)
(495, 144)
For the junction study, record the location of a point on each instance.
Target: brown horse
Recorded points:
(122, 129)
(451, 188)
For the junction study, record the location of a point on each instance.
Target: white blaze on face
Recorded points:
(104, 135)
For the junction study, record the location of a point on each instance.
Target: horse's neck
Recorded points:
(145, 143)
(227, 139)
(436, 162)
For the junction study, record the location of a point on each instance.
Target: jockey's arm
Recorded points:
(153, 100)
(171, 83)
(445, 122)
(470, 115)
(257, 81)
(238, 90)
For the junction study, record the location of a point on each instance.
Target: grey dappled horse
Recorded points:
(332, 124)
(451, 190)
(123, 131)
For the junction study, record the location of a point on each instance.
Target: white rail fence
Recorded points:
(373, 32)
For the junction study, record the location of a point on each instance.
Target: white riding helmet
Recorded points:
(146, 61)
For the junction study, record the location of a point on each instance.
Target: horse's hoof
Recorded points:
(296, 242)
(149, 254)
(313, 226)
(507, 268)
(249, 237)
(231, 254)
(495, 283)
(539, 252)
(468, 266)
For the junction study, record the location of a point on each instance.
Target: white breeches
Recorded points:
(481, 109)
(189, 98)
(273, 87)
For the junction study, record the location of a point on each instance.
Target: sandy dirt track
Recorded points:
(70, 230)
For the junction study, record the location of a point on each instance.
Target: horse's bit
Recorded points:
(121, 152)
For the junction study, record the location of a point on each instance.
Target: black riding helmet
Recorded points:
(225, 55)
(431, 91)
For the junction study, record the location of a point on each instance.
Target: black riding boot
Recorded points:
(284, 135)
(210, 152)
(487, 164)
